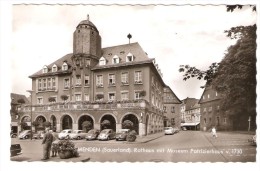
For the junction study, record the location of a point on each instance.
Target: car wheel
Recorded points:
(108, 138)
(26, 137)
(79, 138)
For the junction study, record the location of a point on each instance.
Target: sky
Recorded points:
(174, 35)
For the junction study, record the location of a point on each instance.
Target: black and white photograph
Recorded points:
(129, 82)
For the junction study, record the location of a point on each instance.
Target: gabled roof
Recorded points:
(190, 103)
(208, 90)
(16, 97)
(174, 100)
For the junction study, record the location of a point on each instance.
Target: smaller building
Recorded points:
(190, 110)
(17, 101)
(171, 108)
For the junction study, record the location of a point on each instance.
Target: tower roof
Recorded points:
(87, 22)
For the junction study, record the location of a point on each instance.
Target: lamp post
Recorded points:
(31, 91)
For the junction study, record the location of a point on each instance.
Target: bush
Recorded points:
(131, 137)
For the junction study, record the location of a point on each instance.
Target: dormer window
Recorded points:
(54, 68)
(115, 59)
(64, 66)
(129, 57)
(45, 69)
(102, 61)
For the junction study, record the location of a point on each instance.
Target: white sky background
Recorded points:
(173, 35)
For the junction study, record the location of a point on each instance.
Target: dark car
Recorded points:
(92, 134)
(15, 150)
(107, 134)
(122, 134)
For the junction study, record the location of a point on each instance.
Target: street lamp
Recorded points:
(31, 91)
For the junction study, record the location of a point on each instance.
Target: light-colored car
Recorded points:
(38, 135)
(25, 134)
(92, 134)
(122, 134)
(77, 134)
(107, 134)
(168, 130)
(64, 134)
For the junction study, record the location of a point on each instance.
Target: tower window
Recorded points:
(129, 57)
(45, 69)
(54, 68)
(115, 59)
(64, 66)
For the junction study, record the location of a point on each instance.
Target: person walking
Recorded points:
(47, 142)
(214, 132)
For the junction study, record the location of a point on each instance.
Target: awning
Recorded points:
(190, 124)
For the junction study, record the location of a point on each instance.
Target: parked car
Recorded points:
(25, 134)
(92, 134)
(15, 150)
(64, 134)
(176, 130)
(122, 134)
(77, 134)
(13, 135)
(107, 134)
(38, 135)
(168, 130)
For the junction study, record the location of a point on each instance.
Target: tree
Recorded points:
(24, 125)
(127, 124)
(87, 125)
(35, 124)
(46, 124)
(106, 124)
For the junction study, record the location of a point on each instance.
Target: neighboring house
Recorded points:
(211, 116)
(171, 108)
(100, 85)
(190, 111)
(17, 103)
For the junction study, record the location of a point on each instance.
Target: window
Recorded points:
(39, 100)
(49, 84)
(115, 59)
(54, 68)
(44, 84)
(102, 61)
(164, 109)
(39, 84)
(53, 83)
(210, 109)
(208, 96)
(218, 107)
(45, 69)
(173, 109)
(99, 82)
(124, 78)
(152, 98)
(86, 97)
(129, 57)
(124, 96)
(225, 120)
(111, 96)
(138, 77)
(172, 121)
(217, 121)
(66, 83)
(205, 120)
(205, 110)
(78, 80)
(77, 97)
(87, 62)
(64, 66)
(86, 81)
(111, 79)
(216, 93)
(137, 95)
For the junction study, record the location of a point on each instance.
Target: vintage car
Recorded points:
(25, 134)
(122, 134)
(107, 134)
(168, 130)
(15, 150)
(65, 134)
(38, 135)
(77, 134)
(92, 134)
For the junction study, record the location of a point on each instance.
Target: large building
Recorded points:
(171, 108)
(99, 85)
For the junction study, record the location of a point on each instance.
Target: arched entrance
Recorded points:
(25, 123)
(85, 123)
(40, 120)
(53, 123)
(108, 122)
(66, 122)
(133, 119)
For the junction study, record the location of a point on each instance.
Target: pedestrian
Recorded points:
(54, 146)
(214, 132)
(47, 142)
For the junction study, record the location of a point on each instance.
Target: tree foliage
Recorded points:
(86, 125)
(106, 124)
(127, 124)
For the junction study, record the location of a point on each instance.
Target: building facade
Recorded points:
(211, 116)
(171, 108)
(97, 84)
(191, 113)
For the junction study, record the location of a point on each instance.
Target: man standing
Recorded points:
(47, 141)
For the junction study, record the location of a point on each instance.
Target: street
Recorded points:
(185, 146)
